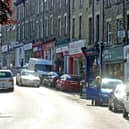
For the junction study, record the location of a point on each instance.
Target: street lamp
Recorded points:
(101, 36)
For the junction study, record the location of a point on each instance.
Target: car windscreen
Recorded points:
(42, 67)
(5, 74)
(110, 84)
(28, 73)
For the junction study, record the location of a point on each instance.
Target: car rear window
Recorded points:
(74, 79)
(5, 74)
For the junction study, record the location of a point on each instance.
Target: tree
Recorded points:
(6, 12)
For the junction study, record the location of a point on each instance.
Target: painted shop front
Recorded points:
(61, 61)
(38, 50)
(19, 54)
(49, 50)
(76, 57)
(113, 62)
(4, 50)
(27, 52)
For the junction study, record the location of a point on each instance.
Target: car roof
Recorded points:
(5, 70)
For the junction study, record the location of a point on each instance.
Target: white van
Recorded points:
(42, 66)
(126, 102)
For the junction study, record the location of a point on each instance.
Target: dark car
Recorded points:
(68, 82)
(116, 98)
(50, 79)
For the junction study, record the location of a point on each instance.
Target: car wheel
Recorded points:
(11, 89)
(109, 107)
(125, 114)
(114, 108)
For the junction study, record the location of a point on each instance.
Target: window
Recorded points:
(51, 24)
(80, 27)
(109, 34)
(73, 28)
(59, 26)
(97, 27)
(60, 3)
(65, 25)
(46, 26)
(120, 32)
(90, 2)
(90, 30)
(41, 28)
(80, 4)
(66, 2)
(73, 4)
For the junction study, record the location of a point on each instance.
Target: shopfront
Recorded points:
(19, 54)
(76, 58)
(12, 54)
(38, 50)
(4, 51)
(61, 61)
(27, 52)
(49, 50)
(113, 62)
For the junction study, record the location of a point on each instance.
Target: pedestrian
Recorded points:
(97, 83)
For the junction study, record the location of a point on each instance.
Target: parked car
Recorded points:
(68, 82)
(6, 80)
(28, 78)
(50, 79)
(100, 96)
(126, 101)
(115, 102)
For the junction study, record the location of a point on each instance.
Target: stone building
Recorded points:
(8, 41)
(116, 22)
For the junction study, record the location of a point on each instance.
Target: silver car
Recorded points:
(6, 80)
(28, 78)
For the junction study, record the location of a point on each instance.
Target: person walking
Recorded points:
(97, 83)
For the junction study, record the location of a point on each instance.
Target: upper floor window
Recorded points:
(60, 3)
(59, 26)
(90, 31)
(73, 4)
(65, 25)
(90, 2)
(66, 2)
(120, 31)
(97, 27)
(51, 24)
(73, 28)
(80, 27)
(109, 34)
(80, 4)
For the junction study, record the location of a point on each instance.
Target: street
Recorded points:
(43, 108)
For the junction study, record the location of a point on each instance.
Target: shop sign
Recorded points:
(4, 48)
(28, 46)
(37, 48)
(75, 47)
(49, 45)
(113, 54)
(18, 45)
(62, 49)
(12, 45)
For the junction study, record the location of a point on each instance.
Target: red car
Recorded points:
(68, 82)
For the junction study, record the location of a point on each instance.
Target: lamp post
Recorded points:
(101, 36)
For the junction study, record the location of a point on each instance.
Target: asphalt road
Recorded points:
(43, 108)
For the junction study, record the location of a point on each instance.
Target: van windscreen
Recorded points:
(42, 67)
